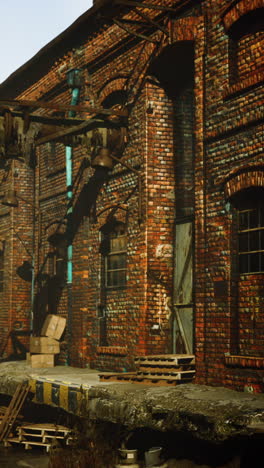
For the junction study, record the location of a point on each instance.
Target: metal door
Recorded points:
(183, 288)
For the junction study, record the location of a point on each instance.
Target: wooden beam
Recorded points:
(154, 23)
(151, 6)
(62, 107)
(44, 119)
(89, 124)
(133, 22)
(77, 129)
(129, 31)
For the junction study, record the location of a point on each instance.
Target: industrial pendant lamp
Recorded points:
(103, 159)
(10, 198)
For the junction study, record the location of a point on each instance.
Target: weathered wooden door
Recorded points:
(183, 288)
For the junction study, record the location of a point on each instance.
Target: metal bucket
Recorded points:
(128, 457)
(152, 456)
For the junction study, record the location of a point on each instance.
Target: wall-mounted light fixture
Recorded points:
(11, 199)
(74, 78)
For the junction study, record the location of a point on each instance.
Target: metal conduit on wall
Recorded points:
(69, 231)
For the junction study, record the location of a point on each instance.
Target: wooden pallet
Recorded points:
(162, 369)
(42, 435)
(185, 375)
(40, 430)
(166, 359)
(154, 379)
(27, 444)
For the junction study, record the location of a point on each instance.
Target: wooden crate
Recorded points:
(53, 326)
(43, 345)
(41, 360)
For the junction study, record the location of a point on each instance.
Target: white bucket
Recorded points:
(152, 456)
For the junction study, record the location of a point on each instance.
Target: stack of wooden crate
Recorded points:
(43, 348)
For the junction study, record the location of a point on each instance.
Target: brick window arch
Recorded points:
(243, 179)
(237, 9)
(115, 86)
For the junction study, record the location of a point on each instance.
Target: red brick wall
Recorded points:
(228, 139)
(250, 315)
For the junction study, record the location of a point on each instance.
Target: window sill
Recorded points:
(255, 362)
(112, 350)
(254, 80)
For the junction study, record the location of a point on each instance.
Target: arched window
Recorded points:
(248, 259)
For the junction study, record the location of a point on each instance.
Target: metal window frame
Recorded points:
(248, 231)
(108, 270)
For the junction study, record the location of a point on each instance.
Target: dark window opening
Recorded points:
(246, 37)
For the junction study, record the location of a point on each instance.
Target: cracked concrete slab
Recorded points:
(209, 413)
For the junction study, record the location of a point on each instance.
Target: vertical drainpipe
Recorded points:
(33, 263)
(69, 230)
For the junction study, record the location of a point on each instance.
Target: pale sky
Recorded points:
(28, 25)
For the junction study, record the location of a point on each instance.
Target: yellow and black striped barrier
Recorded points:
(61, 394)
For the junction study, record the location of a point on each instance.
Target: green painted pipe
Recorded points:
(69, 231)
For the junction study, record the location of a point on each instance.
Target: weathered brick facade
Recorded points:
(195, 145)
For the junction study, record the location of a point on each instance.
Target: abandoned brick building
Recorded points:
(138, 213)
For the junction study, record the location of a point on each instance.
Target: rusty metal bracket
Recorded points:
(135, 171)
(151, 6)
(153, 23)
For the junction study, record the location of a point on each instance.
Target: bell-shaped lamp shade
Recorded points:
(102, 159)
(10, 198)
